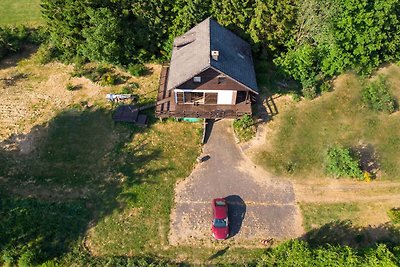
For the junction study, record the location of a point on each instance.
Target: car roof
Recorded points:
(220, 211)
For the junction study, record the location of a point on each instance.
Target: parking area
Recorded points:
(261, 206)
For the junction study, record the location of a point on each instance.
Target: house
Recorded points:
(211, 75)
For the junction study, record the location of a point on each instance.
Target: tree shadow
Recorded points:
(343, 233)
(219, 253)
(63, 177)
(12, 60)
(237, 212)
(368, 158)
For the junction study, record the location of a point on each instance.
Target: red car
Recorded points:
(220, 223)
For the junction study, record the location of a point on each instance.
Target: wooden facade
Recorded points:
(199, 99)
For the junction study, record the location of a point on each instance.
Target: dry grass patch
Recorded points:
(302, 133)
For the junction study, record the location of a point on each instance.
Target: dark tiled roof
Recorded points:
(191, 55)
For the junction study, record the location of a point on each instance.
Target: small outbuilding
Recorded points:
(211, 75)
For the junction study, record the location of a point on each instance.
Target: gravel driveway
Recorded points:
(260, 205)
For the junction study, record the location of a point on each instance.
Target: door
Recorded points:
(225, 97)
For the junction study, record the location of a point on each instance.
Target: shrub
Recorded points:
(325, 87)
(70, 87)
(376, 95)
(244, 128)
(341, 163)
(128, 89)
(137, 70)
(296, 97)
(28, 258)
(309, 92)
(108, 79)
(45, 54)
(394, 215)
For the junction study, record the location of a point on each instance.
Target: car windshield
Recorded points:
(220, 203)
(219, 223)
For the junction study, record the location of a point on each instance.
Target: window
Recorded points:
(221, 80)
(179, 97)
(194, 97)
(210, 98)
(197, 79)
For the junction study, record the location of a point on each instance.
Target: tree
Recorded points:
(234, 14)
(272, 23)
(103, 37)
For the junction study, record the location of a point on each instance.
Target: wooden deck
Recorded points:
(166, 106)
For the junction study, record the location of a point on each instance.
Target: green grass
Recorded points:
(152, 162)
(319, 214)
(20, 12)
(120, 178)
(304, 131)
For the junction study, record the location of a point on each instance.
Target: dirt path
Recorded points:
(261, 206)
(332, 191)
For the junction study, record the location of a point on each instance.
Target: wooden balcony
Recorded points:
(166, 106)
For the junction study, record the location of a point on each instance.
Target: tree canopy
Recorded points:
(309, 40)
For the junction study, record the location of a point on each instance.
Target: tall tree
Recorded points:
(234, 14)
(272, 23)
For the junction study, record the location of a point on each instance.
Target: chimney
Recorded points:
(215, 55)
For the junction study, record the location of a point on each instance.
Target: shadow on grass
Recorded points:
(344, 233)
(219, 253)
(62, 178)
(12, 60)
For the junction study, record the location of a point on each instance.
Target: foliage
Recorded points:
(376, 95)
(70, 87)
(45, 54)
(394, 215)
(137, 70)
(108, 79)
(244, 128)
(309, 92)
(341, 162)
(302, 64)
(272, 24)
(101, 74)
(299, 253)
(334, 36)
(325, 87)
(128, 89)
(13, 38)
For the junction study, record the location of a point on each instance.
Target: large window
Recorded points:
(196, 98)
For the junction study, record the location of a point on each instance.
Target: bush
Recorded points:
(309, 92)
(137, 70)
(128, 89)
(394, 215)
(70, 87)
(45, 54)
(377, 96)
(325, 87)
(296, 97)
(341, 163)
(28, 258)
(108, 79)
(244, 128)
(12, 38)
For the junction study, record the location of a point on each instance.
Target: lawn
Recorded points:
(302, 132)
(79, 187)
(20, 12)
